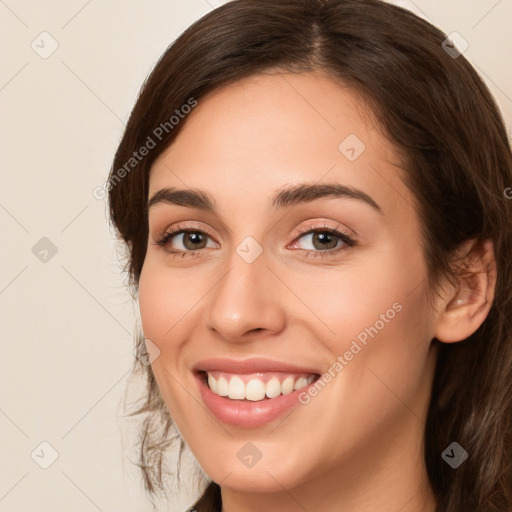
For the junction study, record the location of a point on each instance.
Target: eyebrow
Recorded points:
(291, 195)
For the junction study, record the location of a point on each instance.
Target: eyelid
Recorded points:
(313, 226)
(190, 226)
(336, 227)
(184, 226)
(302, 230)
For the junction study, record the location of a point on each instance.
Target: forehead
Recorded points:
(253, 136)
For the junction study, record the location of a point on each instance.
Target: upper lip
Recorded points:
(251, 365)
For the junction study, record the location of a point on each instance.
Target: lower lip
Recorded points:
(245, 413)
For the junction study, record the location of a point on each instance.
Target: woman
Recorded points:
(314, 198)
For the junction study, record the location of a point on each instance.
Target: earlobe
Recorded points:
(462, 312)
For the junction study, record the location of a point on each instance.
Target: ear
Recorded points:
(466, 304)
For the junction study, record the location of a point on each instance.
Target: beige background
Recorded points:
(67, 323)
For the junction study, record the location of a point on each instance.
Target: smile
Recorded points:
(252, 392)
(257, 386)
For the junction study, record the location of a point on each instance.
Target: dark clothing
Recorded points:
(210, 501)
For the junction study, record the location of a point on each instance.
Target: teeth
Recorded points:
(300, 383)
(287, 385)
(213, 384)
(255, 389)
(273, 388)
(236, 388)
(222, 387)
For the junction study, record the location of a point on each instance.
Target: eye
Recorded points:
(185, 241)
(322, 241)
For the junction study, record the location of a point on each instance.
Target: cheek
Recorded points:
(376, 316)
(385, 330)
(366, 301)
(166, 300)
(153, 303)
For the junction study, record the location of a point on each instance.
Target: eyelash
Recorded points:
(306, 230)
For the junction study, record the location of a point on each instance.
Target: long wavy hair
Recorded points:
(441, 118)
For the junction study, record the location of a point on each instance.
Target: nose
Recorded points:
(246, 301)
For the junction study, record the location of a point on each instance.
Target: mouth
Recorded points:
(251, 392)
(251, 400)
(255, 387)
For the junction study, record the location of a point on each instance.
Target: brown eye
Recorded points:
(185, 241)
(324, 240)
(194, 240)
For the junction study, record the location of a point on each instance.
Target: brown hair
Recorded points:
(457, 161)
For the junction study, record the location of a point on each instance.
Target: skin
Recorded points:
(357, 445)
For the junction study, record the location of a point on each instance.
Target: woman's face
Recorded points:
(281, 162)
